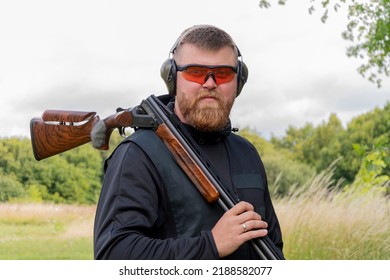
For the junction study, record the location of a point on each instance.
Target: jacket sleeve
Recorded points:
(133, 219)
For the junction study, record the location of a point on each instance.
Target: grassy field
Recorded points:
(46, 232)
(327, 225)
(316, 224)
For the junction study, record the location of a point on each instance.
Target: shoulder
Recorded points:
(129, 149)
(243, 150)
(137, 138)
(242, 141)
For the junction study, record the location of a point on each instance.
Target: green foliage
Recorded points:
(71, 177)
(366, 130)
(74, 176)
(36, 193)
(368, 29)
(317, 147)
(10, 188)
(369, 25)
(373, 174)
(320, 146)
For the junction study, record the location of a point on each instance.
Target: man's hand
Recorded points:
(238, 225)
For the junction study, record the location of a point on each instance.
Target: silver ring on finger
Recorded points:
(244, 226)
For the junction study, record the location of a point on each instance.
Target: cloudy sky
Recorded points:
(101, 54)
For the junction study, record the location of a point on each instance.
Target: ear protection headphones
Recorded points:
(168, 71)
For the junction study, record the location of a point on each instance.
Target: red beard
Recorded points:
(204, 116)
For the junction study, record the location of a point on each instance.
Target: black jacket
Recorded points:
(135, 219)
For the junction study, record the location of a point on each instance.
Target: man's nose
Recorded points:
(210, 83)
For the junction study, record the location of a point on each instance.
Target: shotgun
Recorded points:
(59, 131)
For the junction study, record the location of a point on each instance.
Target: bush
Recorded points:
(10, 188)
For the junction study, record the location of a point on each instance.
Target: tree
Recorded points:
(322, 145)
(372, 172)
(368, 29)
(72, 177)
(9, 187)
(317, 146)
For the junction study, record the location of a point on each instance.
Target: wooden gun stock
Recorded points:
(59, 131)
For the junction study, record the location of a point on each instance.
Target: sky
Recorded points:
(97, 55)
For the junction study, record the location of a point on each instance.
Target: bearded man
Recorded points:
(148, 208)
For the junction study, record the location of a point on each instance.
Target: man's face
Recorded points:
(205, 105)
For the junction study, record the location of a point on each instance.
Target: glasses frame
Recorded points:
(182, 68)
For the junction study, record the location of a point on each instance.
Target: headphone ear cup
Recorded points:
(242, 76)
(168, 74)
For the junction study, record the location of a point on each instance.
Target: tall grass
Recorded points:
(319, 222)
(46, 231)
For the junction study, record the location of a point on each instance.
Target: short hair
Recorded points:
(207, 37)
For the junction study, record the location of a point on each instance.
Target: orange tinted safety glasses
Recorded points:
(197, 73)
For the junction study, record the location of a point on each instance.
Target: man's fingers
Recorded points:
(247, 216)
(252, 225)
(241, 207)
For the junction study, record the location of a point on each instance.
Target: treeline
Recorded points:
(71, 177)
(358, 153)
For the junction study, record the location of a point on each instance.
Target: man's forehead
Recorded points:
(192, 54)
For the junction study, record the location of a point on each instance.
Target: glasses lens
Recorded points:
(223, 74)
(195, 74)
(198, 74)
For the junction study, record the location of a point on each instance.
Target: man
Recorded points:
(148, 208)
